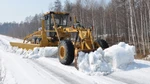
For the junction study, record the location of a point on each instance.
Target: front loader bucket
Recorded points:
(24, 45)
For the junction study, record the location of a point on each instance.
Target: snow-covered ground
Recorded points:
(114, 65)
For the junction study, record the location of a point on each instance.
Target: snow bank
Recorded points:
(36, 52)
(105, 61)
(119, 55)
(40, 52)
(93, 62)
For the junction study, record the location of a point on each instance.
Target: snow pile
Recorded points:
(93, 62)
(105, 61)
(119, 55)
(16, 50)
(40, 52)
(36, 52)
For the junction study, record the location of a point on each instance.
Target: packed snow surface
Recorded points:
(41, 66)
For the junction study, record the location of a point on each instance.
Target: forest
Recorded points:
(114, 21)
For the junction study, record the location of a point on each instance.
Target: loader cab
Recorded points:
(60, 18)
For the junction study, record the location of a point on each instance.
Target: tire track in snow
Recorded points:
(60, 74)
(124, 80)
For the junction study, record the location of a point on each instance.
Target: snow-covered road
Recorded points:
(43, 71)
(47, 70)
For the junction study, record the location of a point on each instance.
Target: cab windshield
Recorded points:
(61, 20)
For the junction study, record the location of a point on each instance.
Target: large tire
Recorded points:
(103, 44)
(34, 40)
(38, 40)
(66, 52)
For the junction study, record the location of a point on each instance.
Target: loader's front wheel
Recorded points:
(103, 44)
(66, 52)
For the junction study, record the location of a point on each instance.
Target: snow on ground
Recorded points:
(1, 71)
(41, 66)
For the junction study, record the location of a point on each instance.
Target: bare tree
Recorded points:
(58, 6)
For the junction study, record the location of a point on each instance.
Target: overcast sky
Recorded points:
(18, 10)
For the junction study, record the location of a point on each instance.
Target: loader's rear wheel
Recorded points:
(34, 40)
(103, 44)
(66, 52)
(38, 40)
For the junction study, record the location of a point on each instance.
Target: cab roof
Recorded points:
(52, 12)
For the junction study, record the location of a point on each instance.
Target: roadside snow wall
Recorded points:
(105, 61)
(43, 52)
(36, 52)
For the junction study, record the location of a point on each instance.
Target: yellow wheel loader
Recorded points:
(69, 39)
